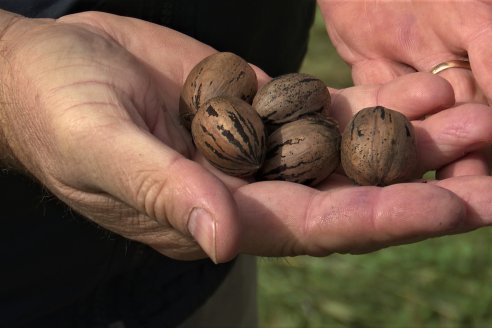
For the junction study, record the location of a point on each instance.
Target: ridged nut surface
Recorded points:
(304, 151)
(221, 74)
(378, 147)
(289, 96)
(231, 136)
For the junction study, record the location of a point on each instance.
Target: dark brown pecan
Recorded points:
(305, 151)
(231, 135)
(221, 74)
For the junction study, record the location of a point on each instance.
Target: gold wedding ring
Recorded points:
(457, 63)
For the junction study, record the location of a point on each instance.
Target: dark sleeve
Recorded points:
(271, 34)
(45, 8)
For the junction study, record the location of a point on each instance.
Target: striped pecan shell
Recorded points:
(378, 147)
(221, 74)
(305, 151)
(289, 96)
(231, 136)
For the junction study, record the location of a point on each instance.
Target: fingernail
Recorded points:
(201, 225)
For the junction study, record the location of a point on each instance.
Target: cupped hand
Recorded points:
(386, 39)
(282, 218)
(90, 110)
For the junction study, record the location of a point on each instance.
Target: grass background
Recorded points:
(443, 282)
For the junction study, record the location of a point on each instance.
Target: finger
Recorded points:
(145, 41)
(230, 181)
(283, 219)
(451, 134)
(415, 95)
(481, 63)
(137, 169)
(474, 163)
(464, 85)
(474, 191)
(378, 71)
(262, 77)
(462, 79)
(466, 89)
(151, 43)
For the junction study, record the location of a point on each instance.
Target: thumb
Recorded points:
(184, 199)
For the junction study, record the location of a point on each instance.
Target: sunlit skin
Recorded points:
(382, 40)
(92, 113)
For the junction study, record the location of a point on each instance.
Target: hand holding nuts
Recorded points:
(376, 148)
(231, 134)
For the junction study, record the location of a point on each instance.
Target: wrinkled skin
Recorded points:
(383, 40)
(91, 111)
(386, 39)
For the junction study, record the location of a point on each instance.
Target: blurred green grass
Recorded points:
(322, 60)
(437, 283)
(441, 282)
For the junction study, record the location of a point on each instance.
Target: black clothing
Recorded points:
(46, 8)
(60, 270)
(271, 34)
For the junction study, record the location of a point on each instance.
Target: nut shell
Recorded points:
(221, 74)
(231, 136)
(289, 96)
(305, 151)
(378, 148)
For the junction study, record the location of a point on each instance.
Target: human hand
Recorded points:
(282, 218)
(91, 104)
(383, 40)
(95, 120)
(386, 39)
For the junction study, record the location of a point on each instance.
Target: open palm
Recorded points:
(98, 95)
